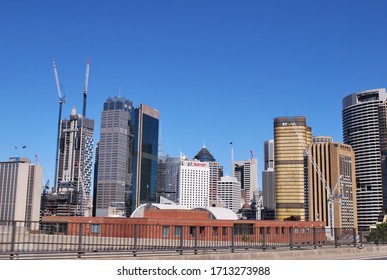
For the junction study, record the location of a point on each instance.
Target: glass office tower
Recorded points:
(145, 126)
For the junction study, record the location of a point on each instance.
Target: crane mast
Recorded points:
(62, 99)
(85, 87)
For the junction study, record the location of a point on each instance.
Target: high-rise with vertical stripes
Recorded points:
(20, 190)
(114, 164)
(332, 184)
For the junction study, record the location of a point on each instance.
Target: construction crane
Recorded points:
(85, 87)
(331, 194)
(62, 100)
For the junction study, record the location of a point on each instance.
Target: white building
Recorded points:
(268, 175)
(229, 191)
(20, 190)
(204, 155)
(194, 183)
(362, 129)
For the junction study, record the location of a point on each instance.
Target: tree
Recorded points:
(378, 235)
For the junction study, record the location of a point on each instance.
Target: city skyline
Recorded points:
(216, 71)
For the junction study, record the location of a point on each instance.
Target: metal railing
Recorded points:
(19, 239)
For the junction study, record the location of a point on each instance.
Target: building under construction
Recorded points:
(73, 175)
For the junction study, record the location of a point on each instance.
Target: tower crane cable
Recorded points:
(331, 194)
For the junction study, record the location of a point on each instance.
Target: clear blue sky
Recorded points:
(217, 70)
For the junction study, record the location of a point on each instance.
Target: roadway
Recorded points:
(366, 252)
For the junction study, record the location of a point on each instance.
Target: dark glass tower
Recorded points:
(145, 126)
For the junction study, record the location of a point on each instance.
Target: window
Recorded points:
(95, 229)
(178, 231)
(215, 231)
(242, 229)
(192, 231)
(165, 231)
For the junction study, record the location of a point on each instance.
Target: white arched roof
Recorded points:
(220, 213)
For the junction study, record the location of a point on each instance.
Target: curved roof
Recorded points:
(205, 155)
(220, 213)
(246, 206)
(217, 213)
(139, 212)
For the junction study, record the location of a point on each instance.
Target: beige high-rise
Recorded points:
(20, 190)
(336, 163)
(291, 137)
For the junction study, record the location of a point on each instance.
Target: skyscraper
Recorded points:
(268, 176)
(204, 155)
(194, 183)
(114, 159)
(382, 112)
(229, 191)
(246, 171)
(168, 178)
(75, 162)
(20, 190)
(145, 125)
(361, 130)
(336, 164)
(291, 137)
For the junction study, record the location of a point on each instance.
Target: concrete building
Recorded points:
(20, 190)
(229, 191)
(75, 162)
(246, 171)
(336, 165)
(268, 176)
(216, 172)
(194, 183)
(361, 130)
(145, 124)
(322, 139)
(291, 137)
(382, 114)
(114, 159)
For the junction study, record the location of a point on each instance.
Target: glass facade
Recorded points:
(145, 155)
(168, 178)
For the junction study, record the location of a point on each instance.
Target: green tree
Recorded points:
(378, 235)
